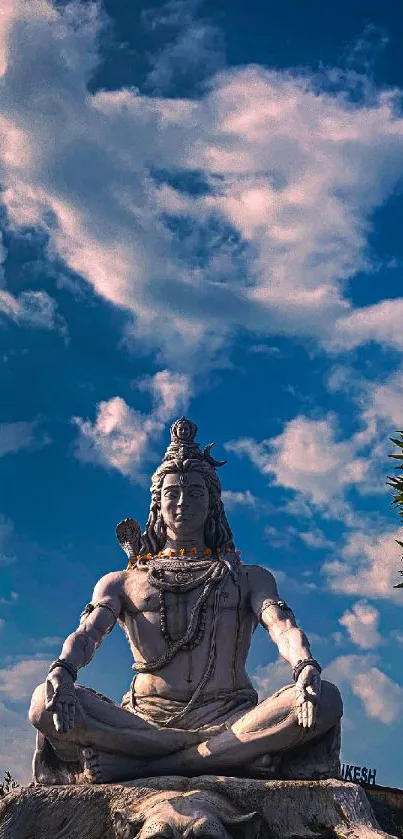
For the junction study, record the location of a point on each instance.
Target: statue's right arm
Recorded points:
(100, 618)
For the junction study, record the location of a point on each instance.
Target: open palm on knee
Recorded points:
(307, 690)
(61, 700)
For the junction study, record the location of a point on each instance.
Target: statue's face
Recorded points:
(184, 503)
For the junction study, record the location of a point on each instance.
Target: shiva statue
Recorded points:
(188, 606)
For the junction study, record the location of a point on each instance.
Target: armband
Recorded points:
(280, 603)
(90, 608)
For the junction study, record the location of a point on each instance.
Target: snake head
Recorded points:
(128, 533)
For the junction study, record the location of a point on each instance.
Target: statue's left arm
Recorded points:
(293, 645)
(97, 620)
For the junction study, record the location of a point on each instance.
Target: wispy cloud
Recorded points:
(271, 677)
(15, 436)
(121, 437)
(367, 566)
(7, 556)
(291, 174)
(381, 697)
(31, 308)
(193, 47)
(47, 641)
(9, 601)
(243, 498)
(19, 681)
(397, 635)
(17, 744)
(379, 322)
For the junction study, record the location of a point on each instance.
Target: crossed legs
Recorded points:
(129, 747)
(269, 728)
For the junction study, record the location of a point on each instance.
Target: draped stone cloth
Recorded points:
(222, 730)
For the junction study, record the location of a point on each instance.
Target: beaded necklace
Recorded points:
(214, 571)
(220, 568)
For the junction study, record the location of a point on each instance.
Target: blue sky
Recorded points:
(201, 212)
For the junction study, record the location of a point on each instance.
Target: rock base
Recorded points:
(208, 807)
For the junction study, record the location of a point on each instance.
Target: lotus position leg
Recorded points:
(127, 746)
(103, 725)
(270, 728)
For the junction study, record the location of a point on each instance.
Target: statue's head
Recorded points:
(186, 494)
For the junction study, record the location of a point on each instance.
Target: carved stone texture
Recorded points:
(209, 807)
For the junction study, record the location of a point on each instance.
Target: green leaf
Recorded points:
(397, 442)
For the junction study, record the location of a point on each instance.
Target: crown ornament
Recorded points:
(184, 446)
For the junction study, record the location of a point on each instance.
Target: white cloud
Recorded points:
(382, 698)
(361, 624)
(270, 678)
(121, 437)
(6, 535)
(378, 405)
(31, 308)
(9, 601)
(265, 349)
(17, 744)
(170, 392)
(292, 584)
(20, 680)
(397, 636)
(380, 322)
(47, 641)
(315, 538)
(306, 458)
(367, 566)
(15, 436)
(244, 498)
(292, 174)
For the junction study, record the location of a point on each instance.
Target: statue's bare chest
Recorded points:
(142, 596)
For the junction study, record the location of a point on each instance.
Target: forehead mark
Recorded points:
(175, 486)
(183, 479)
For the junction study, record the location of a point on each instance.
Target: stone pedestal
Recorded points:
(208, 807)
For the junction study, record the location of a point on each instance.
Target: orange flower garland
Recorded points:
(182, 552)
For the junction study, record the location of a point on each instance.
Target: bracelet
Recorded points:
(305, 663)
(61, 662)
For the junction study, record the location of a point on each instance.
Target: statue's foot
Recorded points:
(50, 770)
(107, 768)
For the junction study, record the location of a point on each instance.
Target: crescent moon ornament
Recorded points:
(207, 456)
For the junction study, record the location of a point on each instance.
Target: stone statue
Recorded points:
(188, 607)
